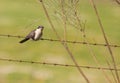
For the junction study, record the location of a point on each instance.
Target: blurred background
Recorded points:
(19, 17)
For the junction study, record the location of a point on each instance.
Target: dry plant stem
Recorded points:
(82, 29)
(64, 44)
(105, 37)
(110, 70)
(64, 19)
(95, 59)
(118, 2)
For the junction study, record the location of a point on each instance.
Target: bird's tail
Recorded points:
(24, 40)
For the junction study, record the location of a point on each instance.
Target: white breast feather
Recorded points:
(37, 34)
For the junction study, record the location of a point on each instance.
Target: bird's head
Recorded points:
(40, 27)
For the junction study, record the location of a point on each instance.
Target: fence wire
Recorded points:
(57, 40)
(54, 64)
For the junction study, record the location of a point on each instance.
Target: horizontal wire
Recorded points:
(74, 42)
(55, 64)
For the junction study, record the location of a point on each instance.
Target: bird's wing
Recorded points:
(31, 34)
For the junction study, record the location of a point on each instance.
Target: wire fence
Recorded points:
(56, 40)
(71, 9)
(54, 64)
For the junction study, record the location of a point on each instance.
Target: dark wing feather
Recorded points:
(24, 40)
(31, 34)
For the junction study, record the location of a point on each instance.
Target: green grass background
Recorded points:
(18, 17)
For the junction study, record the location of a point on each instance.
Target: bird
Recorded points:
(35, 34)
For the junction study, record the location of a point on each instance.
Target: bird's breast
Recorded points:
(37, 34)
